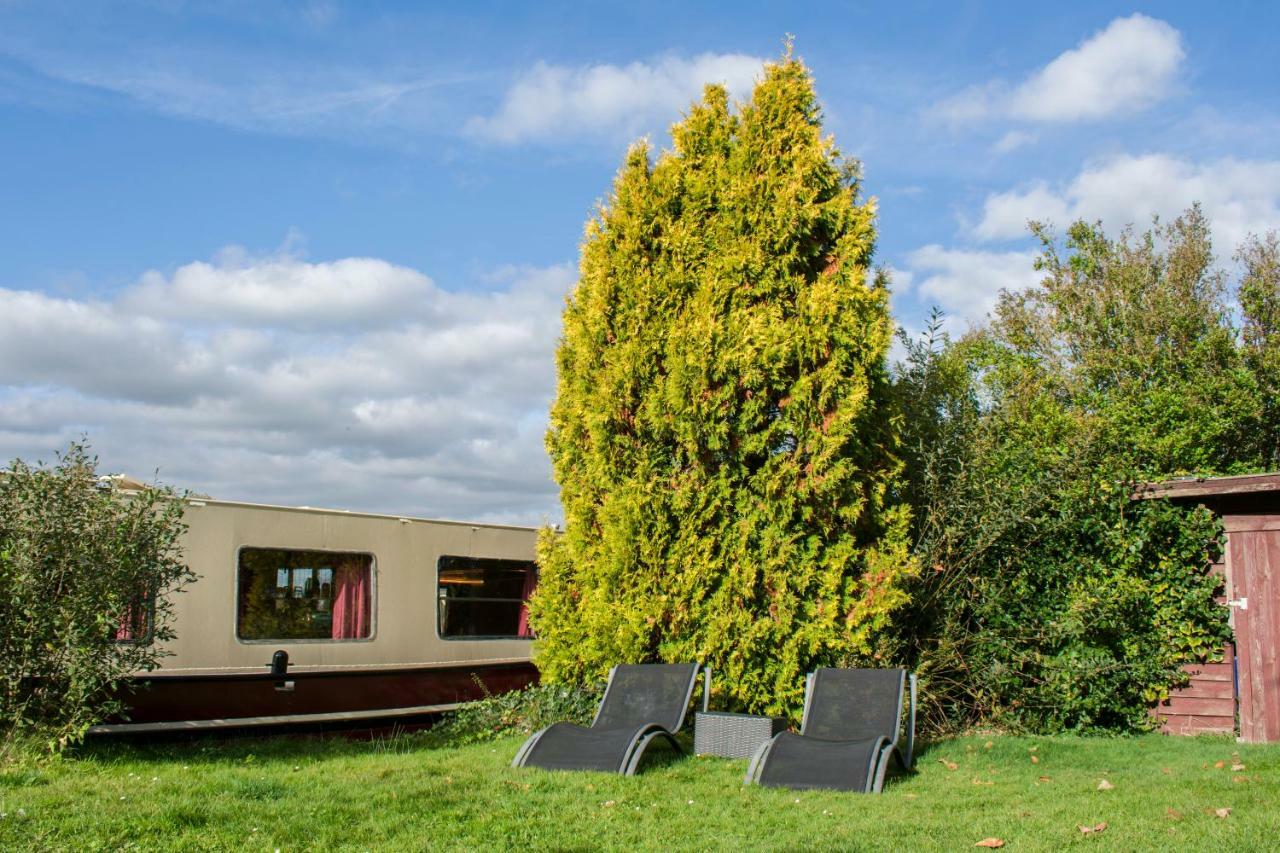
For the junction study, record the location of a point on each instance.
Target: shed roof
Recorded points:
(1204, 487)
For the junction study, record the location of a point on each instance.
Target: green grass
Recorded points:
(330, 793)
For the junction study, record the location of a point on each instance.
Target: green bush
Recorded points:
(1051, 599)
(518, 712)
(85, 573)
(721, 433)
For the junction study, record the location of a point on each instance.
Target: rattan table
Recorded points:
(732, 735)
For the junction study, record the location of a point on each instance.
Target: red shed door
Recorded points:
(1254, 553)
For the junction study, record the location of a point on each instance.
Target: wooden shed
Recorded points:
(1243, 692)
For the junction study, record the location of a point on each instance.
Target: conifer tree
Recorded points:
(720, 433)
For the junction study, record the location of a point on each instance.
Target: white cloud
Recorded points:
(286, 291)
(1127, 66)
(264, 93)
(428, 401)
(1239, 197)
(966, 283)
(557, 101)
(1012, 141)
(1005, 215)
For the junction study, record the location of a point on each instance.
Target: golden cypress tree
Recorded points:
(721, 433)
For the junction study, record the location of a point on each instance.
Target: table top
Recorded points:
(735, 714)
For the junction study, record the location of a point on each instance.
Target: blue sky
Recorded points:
(314, 253)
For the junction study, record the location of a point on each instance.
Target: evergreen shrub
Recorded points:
(722, 432)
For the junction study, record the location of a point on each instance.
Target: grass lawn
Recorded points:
(403, 793)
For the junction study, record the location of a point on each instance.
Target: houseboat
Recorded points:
(304, 616)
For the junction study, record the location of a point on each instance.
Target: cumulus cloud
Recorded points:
(965, 283)
(1127, 66)
(428, 401)
(1239, 197)
(285, 290)
(555, 101)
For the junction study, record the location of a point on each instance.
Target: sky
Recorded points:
(315, 253)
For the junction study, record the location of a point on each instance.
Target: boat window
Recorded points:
(136, 622)
(485, 598)
(304, 595)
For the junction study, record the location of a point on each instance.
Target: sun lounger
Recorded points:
(850, 730)
(641, 702)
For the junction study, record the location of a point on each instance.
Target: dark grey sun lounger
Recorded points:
(850, 729)
(641, 702)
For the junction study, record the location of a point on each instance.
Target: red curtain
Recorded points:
(125, 631)
(530, 584)
(133, 622)
(351, 581)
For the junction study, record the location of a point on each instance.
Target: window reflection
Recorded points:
(304, 595)
(480, 597)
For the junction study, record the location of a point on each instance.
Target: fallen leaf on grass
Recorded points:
(1239, 778)
(950, 765)
(990, 842)
(1172, 813)
(1166, 771)
(1222, 812)
(978, 781)
(1237, 767)
(1090, 830)
(988, 744)
(1104, 785)
(1035, 759)
(1218, 765)
(1045, 779)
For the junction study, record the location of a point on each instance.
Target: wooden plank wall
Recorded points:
(1208, 704)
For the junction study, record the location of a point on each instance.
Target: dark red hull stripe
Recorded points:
(214, 697)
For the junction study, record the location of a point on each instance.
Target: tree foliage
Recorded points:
(85, 573)
(721, 432)
(1050, 598)
(1260, 306)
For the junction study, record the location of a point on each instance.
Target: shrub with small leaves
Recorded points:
(1053, 600)
(518, 712)
(85, 576)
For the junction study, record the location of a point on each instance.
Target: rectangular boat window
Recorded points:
(136, 621)
(487, 598)
(304, 595)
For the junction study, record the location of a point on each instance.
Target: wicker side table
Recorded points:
(732, 735)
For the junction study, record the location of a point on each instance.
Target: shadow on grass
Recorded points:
(660, 754)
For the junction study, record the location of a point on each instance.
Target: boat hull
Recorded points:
(193, 702)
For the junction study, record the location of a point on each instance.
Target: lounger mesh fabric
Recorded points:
(851, 724)
(643, 694)
(855, 704)
(800, 762)
(565, 746)
(643, 700)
